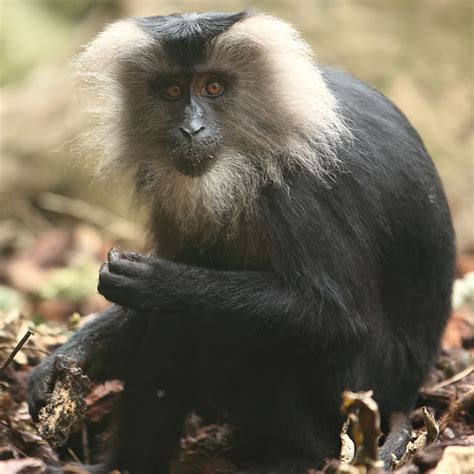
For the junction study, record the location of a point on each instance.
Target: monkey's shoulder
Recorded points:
(352, 92)
(372, 117)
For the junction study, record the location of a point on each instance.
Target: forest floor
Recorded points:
(47, 286)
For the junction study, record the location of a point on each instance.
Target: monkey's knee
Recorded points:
(150, 425)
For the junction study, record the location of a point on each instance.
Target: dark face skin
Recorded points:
(192, 102)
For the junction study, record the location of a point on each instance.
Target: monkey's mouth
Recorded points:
(191, 168)
(192, 163)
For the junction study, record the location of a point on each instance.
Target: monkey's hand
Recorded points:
(101, 348)
(43, 378)
(131, 280)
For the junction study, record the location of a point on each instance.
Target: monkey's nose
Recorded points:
(191, 130)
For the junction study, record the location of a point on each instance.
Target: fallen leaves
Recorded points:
(364, 418)
(46, 281)
(456, 459)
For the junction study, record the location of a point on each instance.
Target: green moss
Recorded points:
(72, 283)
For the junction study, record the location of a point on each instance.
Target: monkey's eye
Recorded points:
(214, 88)
(173, 91)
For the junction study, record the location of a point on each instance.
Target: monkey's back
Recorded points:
(374, 239)
(402, 214)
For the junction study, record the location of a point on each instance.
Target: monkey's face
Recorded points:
(190, 125)
(201, 91)
(207, 109)
(193, 119)
(193, 94)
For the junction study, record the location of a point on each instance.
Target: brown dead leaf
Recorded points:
(456, 459)
(101, 400)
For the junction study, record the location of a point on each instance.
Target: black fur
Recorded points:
(185, 37)
(351, 289)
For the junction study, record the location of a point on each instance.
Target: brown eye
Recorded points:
(214, 88)
(173, 91)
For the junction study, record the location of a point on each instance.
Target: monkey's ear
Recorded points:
(117, 42)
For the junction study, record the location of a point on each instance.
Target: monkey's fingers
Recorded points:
(130, 268)
(134, 256)
(113, 254)
(121, 289)
(40, 387)
(37, 398)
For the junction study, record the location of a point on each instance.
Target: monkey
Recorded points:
(300, 244)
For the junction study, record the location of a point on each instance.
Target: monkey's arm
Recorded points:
(154, 284)
(101, 348)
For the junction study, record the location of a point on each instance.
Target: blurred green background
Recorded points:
(418, 52)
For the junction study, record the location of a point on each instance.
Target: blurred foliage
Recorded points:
(73, 10)
(418, 52)
(37, 31)
(31, 35)
(73, 283)
(9, 298)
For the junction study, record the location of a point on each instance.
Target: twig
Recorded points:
(16, 448)
(73, 455)
(458, 406)
(31, 349)
(85, 444)
(454, 378)
(16, 350)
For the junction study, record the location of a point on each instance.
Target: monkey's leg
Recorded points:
(156, 399)
(299, 434)
(150, 426)
(316, 446)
